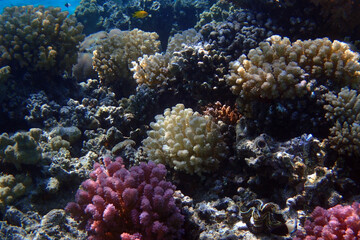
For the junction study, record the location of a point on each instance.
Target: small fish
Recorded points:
(141, 14)
(67, 4)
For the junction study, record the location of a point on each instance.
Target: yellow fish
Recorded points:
(141, 14)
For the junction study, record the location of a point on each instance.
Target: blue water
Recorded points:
(46, 3)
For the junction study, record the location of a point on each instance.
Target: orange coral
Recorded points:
(224, 113)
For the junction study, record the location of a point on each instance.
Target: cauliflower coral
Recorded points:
(185, 140)
(336, 223)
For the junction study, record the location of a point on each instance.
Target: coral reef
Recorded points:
(116, 201)
(39, 39)
(339, 222)
(186, 141)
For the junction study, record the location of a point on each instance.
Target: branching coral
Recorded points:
(117, 201)
(281, 69)
(339, 222)
(186, 141)
(39, 39)
(223, 113)
(343, 111)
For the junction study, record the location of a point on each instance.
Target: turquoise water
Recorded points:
(46, 3)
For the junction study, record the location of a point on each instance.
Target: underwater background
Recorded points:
(179, 119)
(46, 3)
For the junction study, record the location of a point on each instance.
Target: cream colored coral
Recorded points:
(112, 59)
(281, 69)
(152, 70)
(12, 187)
(343, 111)
(185, 140)
(179, 40)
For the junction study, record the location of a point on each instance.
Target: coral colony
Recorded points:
(116, 201)
(339, 222)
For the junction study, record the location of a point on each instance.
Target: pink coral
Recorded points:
(339, 222)
(134, 204)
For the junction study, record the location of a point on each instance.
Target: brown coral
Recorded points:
(223, 113)
(37, 39)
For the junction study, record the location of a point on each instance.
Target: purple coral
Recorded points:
(339, 222)
(134, 204)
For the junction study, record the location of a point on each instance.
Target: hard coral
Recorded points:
(343, 112)
(339, 222)
(112, 58)
(117, 201)
(186, 141)
(281, 69)
(224, 113)
(39, 39)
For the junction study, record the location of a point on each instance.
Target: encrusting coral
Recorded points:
(117, 201)
(21, 148)
(343, 111)
(12, 187)
(39, 39)
(186, 141)
(281, 69)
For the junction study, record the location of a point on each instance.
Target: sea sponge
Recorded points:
(12, 187)
(343, 111)
(185, 140)
(281, 69)
(39, 39)
(112, 58)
